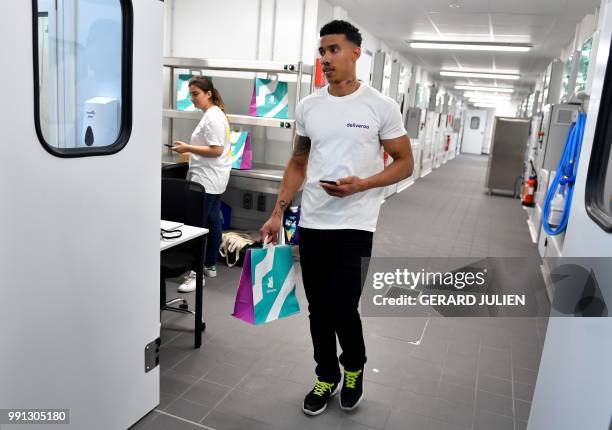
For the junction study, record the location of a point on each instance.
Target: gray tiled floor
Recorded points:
(467, 373)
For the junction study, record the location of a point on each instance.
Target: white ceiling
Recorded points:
(549, 25)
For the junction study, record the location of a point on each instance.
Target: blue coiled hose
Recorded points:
(565, 177)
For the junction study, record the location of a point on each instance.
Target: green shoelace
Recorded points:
(321, 387)
(350, 378)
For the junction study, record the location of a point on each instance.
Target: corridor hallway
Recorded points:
(466, 373)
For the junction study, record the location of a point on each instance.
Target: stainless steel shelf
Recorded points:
(236, 65)
(270, 173)
(233, 119)
(261, 179)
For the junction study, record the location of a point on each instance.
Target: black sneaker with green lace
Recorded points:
(315, 402)
(352, 389)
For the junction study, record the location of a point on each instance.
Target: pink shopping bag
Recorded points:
(247, 155)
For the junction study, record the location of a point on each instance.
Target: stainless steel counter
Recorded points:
(261, 178)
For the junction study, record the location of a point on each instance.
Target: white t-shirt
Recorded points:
(345, 134)
(212, 172)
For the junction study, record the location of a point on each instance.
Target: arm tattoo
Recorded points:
(283, 205)
(302, 146)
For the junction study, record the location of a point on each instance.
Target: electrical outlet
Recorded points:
(261, 203)
(247, 201)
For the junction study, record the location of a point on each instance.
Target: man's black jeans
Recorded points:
(331, 262)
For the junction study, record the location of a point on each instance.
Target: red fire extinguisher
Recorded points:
(529, 191)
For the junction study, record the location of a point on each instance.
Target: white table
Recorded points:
(190, 233)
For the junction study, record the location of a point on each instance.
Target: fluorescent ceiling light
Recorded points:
(461, 74)
(502, 71)
(469, 46)
(488, 89)
(487, 101)
(489, 104)
(485, 96)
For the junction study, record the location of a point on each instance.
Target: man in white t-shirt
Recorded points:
(342, 130)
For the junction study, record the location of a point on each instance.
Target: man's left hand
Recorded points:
(345, 187)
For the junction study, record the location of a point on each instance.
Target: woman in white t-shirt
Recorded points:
(209, 165)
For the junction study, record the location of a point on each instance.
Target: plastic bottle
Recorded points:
(557, 208)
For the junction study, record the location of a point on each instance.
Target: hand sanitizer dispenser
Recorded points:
(100, 122)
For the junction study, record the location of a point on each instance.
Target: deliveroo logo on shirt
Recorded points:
(355, 125)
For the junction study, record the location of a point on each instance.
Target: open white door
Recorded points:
(79, 255)
(474, 131)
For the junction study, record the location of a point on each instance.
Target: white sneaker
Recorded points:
(211, 271)
(189, 283)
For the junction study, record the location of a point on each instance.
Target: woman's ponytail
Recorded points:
(217, 100)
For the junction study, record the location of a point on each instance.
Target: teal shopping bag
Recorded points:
(267, 286)
(270, 99)
(241, 152)
(183, 97)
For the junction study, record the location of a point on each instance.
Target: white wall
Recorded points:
(263, 30)
(205, 30)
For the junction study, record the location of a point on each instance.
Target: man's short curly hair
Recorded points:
(339, 26)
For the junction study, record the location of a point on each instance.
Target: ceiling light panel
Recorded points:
(502, 71)
(491, 102)
(469, 46)
(483, 95)
(461, 74)
(490, 99)
(487, 89)
(486, 105)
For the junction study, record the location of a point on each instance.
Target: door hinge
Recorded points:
(152, 355)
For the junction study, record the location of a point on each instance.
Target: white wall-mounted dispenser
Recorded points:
(100, 122)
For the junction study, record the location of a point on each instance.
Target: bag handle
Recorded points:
(266, 242)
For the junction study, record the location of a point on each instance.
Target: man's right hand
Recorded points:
(270, 229)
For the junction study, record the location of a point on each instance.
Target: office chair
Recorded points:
(181, 201)
(177, 170)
